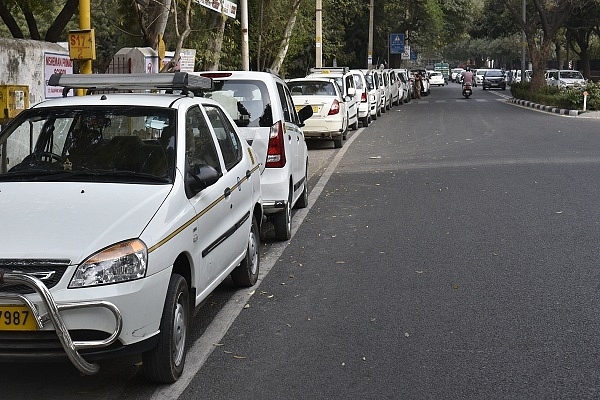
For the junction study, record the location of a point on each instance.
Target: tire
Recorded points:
(164, 363)
(246, 274)
(282, 221)
(303, 199)
(354, 126)
(338, 142)
(365, 121)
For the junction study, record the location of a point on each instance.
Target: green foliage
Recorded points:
(571, 98)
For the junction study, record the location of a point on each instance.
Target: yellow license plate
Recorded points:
(16, 318)
(315, 108)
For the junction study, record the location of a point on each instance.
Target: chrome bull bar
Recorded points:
(53, 315)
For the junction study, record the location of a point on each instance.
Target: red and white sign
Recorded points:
(227, 7)
(56, 64)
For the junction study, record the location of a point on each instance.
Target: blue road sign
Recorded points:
(397, 43)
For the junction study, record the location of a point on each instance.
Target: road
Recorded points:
(449, 252)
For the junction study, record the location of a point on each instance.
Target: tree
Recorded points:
(51, 16)
(543, 20)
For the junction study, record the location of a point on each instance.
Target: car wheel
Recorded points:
(365, 121)
(354, 126)
(165, 362)
(246, 274)
(378, 113)
(338, 142)
(303, 199)
(283, 221)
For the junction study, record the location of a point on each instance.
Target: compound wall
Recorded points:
(30, 63)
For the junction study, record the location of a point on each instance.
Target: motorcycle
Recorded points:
(467, 90)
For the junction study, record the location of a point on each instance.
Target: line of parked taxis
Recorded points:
(128, 206)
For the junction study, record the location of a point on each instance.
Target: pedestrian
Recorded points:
(418, 85)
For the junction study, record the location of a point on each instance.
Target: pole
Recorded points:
(319, 34)
(370, 49)
(85, 67)
(523, 39)
(245, 50)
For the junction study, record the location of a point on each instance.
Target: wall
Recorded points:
(30, 63)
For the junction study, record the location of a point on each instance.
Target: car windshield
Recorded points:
(247, 101)
(571, 75)
(100, 144)
(493, 73)
(312, 88)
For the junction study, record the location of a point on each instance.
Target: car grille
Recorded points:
(49, 272)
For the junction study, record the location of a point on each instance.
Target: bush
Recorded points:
(571, 98)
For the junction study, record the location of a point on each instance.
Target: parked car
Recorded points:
(517, 77)
(383, 93)
(387, 90)
(345, 80)
(262, 107)
(372, 79)
(436, 78)
(565, 78)
(494, 78)
(425, 88)
(405, 86)
(330, 116)
(394, 88)
(362, 97)
(144, 203)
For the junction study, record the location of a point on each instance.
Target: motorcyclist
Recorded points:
(467, 76)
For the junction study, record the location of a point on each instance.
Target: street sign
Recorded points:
(406, 53)
(397, 43)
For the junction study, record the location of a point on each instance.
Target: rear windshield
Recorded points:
(571, 75)
(247, 101)
(314, 88)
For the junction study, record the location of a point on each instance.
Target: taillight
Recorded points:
(363, 97)
(276, 149)
(335, 108)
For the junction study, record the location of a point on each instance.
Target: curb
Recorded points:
(556, 110)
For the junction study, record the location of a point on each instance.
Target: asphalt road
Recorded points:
(449, 252)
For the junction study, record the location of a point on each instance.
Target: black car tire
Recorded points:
(246, 274)
(282, 221)
(164, 363)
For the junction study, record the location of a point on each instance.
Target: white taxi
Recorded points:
(123, 211)
(330, 118)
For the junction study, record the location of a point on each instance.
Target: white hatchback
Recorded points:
(125, 211)
(262, 107)
(436, 78)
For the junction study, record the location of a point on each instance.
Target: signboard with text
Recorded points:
(56, 64)
(227, 7)
(397, 43)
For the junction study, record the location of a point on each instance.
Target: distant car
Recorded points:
(425, 88)
(517, 77)
(372, 80)
(479, 76)
(394, 88)
(436, 78)
(494, 78)
(262, 107)
(404, 85)
(330, 116)
(144, 203)
(565, 78)
(455, 73)
(362, 97)
(345, 80)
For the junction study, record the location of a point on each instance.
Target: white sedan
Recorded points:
(330, 116)
(125, 211)
(436, 79)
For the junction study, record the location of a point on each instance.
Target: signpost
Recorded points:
(397, 43)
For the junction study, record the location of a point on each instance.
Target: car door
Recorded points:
(295, 137)
(216, 246)
(352, 104)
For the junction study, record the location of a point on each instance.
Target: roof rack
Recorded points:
(165, 81)
(329, 70)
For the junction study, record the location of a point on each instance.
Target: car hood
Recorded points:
(73, 220)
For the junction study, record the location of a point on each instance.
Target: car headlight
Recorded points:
(121, 262)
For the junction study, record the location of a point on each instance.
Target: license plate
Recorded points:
(16, 318)
(314, 108)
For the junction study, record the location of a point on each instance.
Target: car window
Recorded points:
(228, 140)
(358, 82)
(247, 101)
(199, 144)
(314, 88)
(101, 141)
(285, 105)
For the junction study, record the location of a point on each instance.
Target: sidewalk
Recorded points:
(556, 110)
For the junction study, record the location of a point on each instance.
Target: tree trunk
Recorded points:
(214, 46)
(539, 58)
(158, 15)
(285, 43)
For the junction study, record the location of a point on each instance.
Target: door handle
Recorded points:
(227, 192)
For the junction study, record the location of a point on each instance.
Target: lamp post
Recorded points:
(319, 34)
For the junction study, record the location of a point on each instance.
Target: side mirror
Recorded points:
(305, 113)
(201, 177)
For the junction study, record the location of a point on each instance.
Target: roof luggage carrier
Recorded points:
(166, 81)
(330, 70)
